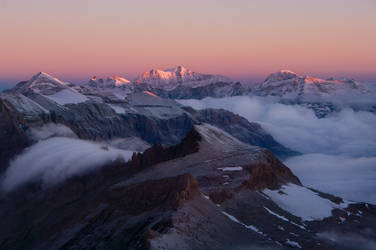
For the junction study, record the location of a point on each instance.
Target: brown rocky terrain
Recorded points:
(211, 191)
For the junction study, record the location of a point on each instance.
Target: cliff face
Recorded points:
(13, 138)
(170, 193)
(271, 174)
(157, 153)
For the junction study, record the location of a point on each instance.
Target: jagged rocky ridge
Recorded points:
(210, 191)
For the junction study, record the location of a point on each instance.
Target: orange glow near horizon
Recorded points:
(240, 38)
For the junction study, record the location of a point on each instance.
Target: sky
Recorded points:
(243, 39)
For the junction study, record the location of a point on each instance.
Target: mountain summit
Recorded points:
(179, 75)
(288, 84)
(281, 76)
(109, 82)
(41, 83)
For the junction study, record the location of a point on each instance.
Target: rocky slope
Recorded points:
(211, 191)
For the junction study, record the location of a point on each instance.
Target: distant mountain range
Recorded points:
(116, 164)
(323, 96)
(107, 114)
(288, 84)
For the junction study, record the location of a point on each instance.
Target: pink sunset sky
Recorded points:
(242, 39)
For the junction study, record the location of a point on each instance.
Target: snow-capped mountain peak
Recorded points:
(118, 80)
(288, 84)
(41, 83)
(50, 88)
(281, 76)
(43, 77)
(180, 70)
(109, 82)
(179, 75)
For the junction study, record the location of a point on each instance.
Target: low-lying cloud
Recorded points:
(50, 130)
(340, 149)
(345, 132)
(56, 159)
(350, 178)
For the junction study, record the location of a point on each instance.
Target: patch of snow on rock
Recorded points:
(118, 109)
(253, 228)
(302, 202)
(231, 169)
(67, 96)
(293, 243)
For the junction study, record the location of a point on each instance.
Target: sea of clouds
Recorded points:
(339, 151)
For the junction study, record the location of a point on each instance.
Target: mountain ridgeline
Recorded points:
(119, 164)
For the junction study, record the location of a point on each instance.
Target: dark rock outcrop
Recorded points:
(170, 193)
(271, 174)
(83, 215)
(157, 153)
(220, 196)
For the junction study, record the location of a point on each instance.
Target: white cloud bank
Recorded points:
(350, 178)
(340, 149)
(50, 130)
(56, 159)
(296, 127)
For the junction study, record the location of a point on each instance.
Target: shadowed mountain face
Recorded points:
(12, 135)
(210, 191)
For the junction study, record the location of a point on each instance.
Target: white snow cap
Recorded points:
(45, 76)
(111, 81)
(178, 75)
(281, 76)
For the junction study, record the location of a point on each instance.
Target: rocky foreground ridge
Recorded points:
(211, 191)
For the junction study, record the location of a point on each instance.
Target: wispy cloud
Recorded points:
(56, 159)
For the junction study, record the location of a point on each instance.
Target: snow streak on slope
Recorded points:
(67, 96)
(251, 227)
(302, 202)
